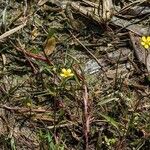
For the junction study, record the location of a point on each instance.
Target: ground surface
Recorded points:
(105, 105)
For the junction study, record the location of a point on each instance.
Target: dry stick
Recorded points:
(62, 125)
(35, 56)
(15, 19)
(31, 64)
(25, 7)
(25, 55)
(131, 4)
(116, 74)
(23, 110)
(86, 118)
(89, 53)
(8, 33)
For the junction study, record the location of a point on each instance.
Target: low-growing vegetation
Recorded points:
(74, 75)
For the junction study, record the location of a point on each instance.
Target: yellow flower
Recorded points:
(145, 41)
(29, 104)
(66, 73)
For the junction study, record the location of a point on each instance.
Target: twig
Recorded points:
(86, 117)
(31, 64)
(25, 7)
(138, 2)
(23, 110)
(89, 53)
(12, 31)
(63, 125)
(35, 56)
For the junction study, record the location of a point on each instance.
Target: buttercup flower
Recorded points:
(29, 104)
(66, 73)
(145, 41)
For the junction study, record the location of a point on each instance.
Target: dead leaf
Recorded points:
(50, 46)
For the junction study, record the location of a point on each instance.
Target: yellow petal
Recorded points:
(142, 43)
(63, 70)
(71, 74)
(148, 38)
(144, 38)
(62, 75)
(29, 104)
(146, 46)
(69, 70)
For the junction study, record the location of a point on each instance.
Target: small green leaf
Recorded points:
(105, 101)
(110, 120)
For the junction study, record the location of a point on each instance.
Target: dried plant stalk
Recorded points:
(105, 9)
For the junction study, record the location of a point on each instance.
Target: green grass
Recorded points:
(39, 109)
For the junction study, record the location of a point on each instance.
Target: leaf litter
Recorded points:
(105, 105)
